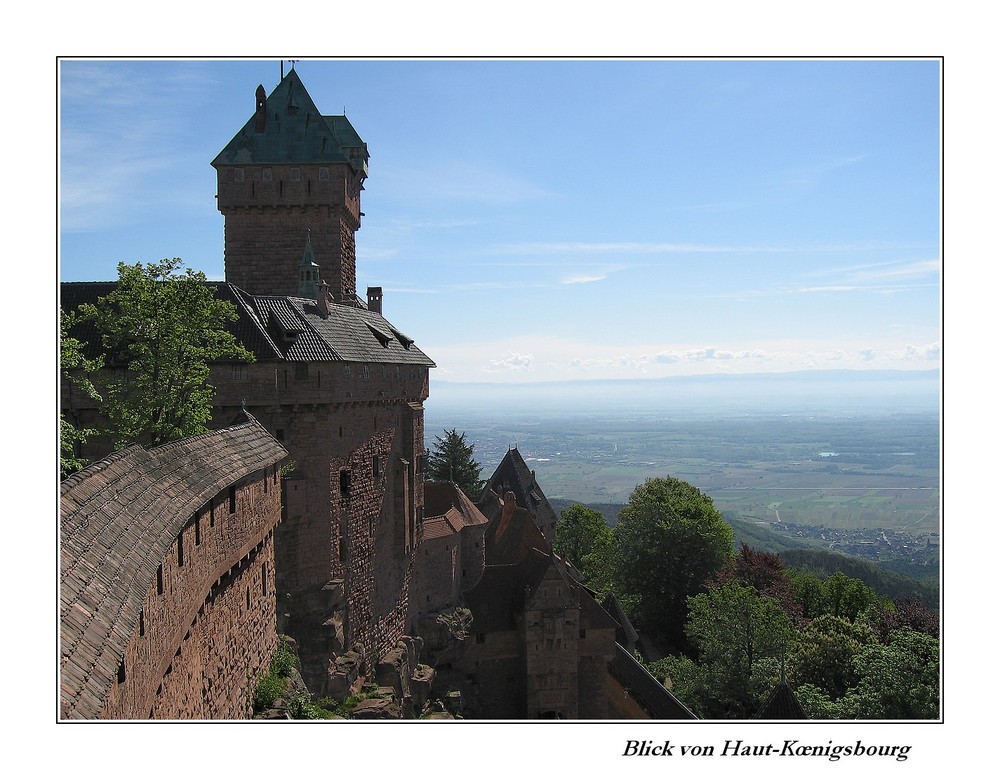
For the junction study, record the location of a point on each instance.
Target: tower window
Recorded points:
(265, 174)
(238, 174)
(324, 174)
(293, 174)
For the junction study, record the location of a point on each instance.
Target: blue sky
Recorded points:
(551, 219)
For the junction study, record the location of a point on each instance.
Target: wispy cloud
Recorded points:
(660, 248)
(582, 278)
(120, 134)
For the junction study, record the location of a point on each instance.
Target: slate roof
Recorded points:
(118, 519)
(781, 705)
(660, 703)
(626, 635)
(295, 132)
(513, 474)
(283, 328)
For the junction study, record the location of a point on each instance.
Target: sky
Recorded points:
(549, 219)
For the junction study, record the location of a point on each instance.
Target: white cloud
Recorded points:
(510, 362)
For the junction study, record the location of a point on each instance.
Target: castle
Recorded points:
(365, 555)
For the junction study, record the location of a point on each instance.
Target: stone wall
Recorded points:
(207, 625)
(266, 223)
(353, 501)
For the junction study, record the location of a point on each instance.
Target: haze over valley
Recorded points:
(844, 461)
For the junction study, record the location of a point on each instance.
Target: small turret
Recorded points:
(308, 271)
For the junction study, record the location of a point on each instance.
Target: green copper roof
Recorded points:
(292, 130)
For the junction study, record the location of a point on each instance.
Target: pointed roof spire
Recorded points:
(308, 271)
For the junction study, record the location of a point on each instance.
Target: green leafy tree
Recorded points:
(808, 591)
(75, 368)
(583, 536)
(824, 654)
(668, 542)
(897, 681)
(451, 460)
(740, 637)
(847, 597)
(163, 327)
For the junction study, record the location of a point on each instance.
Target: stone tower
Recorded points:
(291, 172)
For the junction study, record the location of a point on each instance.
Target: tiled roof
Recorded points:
(347, 333)
(295, 132)
(500, 594)
(283, 328)
(509, 539)
(118, 519)
(447, 510)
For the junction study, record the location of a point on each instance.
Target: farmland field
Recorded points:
(839, 463)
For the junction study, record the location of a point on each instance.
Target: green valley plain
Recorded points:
(836, 461)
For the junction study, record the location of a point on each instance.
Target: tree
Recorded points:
(75, 368)
(765, 573)
(847, 597)
(668, 542)
(735, 629)
(452, 460)
(897, 681)
(824, 654)
(583, 536)
(902, 613)
(162, 327)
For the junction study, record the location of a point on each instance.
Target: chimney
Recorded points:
(509, 503)
(323, 299)
(260, 117)
(375, 299)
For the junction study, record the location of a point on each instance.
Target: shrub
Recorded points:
(269, 690)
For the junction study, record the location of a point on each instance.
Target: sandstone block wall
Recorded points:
(207, 626)
(268, 214)
(353, 501)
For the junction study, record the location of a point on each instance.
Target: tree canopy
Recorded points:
(583, 536)
(669, 541)
(75, 368)
(451, 460)
(161, 327)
